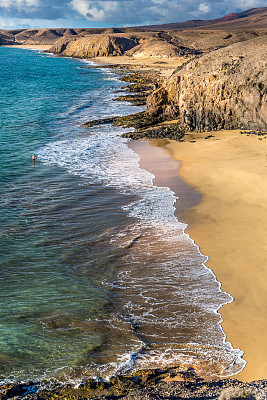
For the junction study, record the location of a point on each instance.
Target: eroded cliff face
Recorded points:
(96, 46)
(158, 48)
(225, 89)
(136, 45)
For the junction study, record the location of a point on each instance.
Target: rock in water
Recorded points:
(224, 89)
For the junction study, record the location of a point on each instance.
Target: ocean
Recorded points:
(97, 276)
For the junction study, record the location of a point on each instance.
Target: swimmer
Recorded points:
(33, 157)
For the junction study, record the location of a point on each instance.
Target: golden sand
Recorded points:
(41, 47)
(157, 160)
(230, 226)
(164, 67)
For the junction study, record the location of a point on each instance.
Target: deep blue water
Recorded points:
(76, 300)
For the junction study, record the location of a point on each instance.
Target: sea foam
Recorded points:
(100, 155)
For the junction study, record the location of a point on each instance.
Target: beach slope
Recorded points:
(229, 169)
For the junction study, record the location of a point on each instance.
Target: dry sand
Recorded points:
(40, 47)
(230, 226)
(164, 67)
(230, 221)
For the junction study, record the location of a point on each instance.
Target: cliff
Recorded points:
(50, 36)
(224, 89)
(160, 46)
(138, 45)
(94, 46)
(251, 20)
(164, 45)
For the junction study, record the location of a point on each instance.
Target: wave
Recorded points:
(167, 266)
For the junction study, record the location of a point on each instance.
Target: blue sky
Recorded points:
(104, 13)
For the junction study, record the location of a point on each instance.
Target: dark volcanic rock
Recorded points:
(140, 386)
(225, 89)
(138, 120)
(102, 121)
(171, 131)
(135, 100)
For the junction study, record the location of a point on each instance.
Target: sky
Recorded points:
(113, 13)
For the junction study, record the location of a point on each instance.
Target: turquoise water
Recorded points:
(76, 300)
(41, 255)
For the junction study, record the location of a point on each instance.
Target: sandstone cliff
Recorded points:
(96, 45)
(224, 89)
(49, 36)
(159, 48)
(164, 45)
(138, 45)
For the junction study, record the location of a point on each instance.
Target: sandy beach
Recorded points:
(163, 66)
(223, 199)
(222, 187)
(40, 47)
(221, 183)
(229, 225)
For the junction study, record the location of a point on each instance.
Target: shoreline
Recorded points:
(227, 201)
(164, 67)
(157, 159)
(40, 47)
(167, 383)
(190, 203)
(219, 225)
(249, 174)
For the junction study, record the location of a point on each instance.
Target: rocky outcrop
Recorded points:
(156, 384)
(99, 45)
(61, 44)
(6, 38)
(48, 36)
(45, 36)
(158, 48)
(136, 45)
(224, 89)
(208, 40)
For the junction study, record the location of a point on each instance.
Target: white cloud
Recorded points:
(94, 11)
(102, 13)
(204, 8)
(247, 4)
(20, 4)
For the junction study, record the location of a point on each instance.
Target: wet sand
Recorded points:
(230, 226)
(156, 159)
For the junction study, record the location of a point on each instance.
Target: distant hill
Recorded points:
(165, 41)
(254, 18)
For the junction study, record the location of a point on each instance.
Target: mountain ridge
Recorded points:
(254, 18)
(209, 24)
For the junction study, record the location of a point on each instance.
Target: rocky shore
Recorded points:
(225, 89)
(222, 84)
(142, 85)
(146, 385)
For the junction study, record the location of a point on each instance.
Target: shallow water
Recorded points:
(97, 275)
